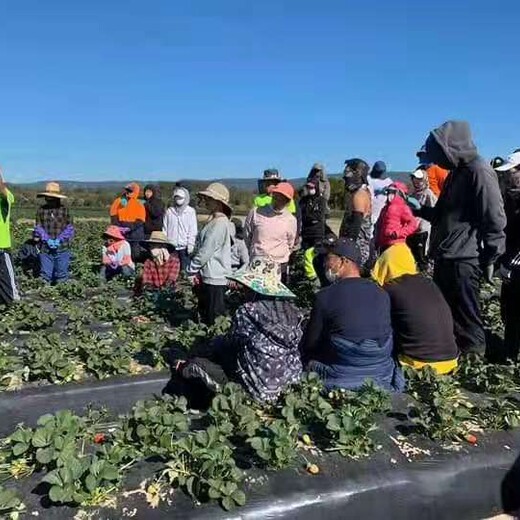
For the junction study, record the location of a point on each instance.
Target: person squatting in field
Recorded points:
(116, 256)
(55, 228)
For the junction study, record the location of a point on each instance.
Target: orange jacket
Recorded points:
(436, 178)
(133, 211)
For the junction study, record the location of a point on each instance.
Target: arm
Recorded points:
(409, 223)
(212, 241)
(192, 231)
(248, 228)
(292, 233)
(311, 339)
(244, 254)
(491, 216)
(354, 227)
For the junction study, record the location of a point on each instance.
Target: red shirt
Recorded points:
(159, 276)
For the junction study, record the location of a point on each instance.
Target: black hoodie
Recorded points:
(468, 221)
(154, 211)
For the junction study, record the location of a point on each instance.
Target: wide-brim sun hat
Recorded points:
(263, 277)
(114, 232)
(217, 191)
(285, 189)
(52, 189)
(158, 238)
(513, 161)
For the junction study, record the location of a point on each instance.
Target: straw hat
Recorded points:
(263, 277)
(158, 237)
(52, 189)
(114, 232)
(217, 191)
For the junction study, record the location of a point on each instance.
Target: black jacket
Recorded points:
(512, 207)
(468, 221)
(312, 210)
(154, 211)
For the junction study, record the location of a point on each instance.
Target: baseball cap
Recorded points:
(346, 248)
(285, 189)
(513, 161)
(418, 174)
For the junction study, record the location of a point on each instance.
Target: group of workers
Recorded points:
(377, 308)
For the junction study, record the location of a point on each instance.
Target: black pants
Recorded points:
(417, 244)
(184, 258)
(459, 283)
(211, 302)
(8, 290)
(510, 306)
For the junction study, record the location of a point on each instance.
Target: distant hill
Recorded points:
(242, 184)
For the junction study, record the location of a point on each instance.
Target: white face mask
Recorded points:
(179, 201)
(312, 192)
(331, 276)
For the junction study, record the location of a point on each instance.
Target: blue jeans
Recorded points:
(54, 266)
(184, 258)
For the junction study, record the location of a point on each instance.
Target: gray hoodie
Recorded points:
(468, 221)
(212, 257)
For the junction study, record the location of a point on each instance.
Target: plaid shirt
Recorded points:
(159, 276)
(56, 223)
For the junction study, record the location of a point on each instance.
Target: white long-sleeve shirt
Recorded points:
(180, 226)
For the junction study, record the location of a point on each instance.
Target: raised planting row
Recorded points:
(94, 465)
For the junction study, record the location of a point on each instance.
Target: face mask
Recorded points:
(124, 202)
(179, 201)
(331, 276)
(312, 192)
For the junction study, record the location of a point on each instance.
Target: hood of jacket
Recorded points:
(451, 145)
(155, 189)
(136, 190)
(185, 193)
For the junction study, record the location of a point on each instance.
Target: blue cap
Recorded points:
(379, 167)
(347, 248)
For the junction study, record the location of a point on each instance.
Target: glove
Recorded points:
(190, 249)
(488, 272)
(52, 243)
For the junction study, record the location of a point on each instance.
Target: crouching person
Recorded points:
(260, 351)
(29, 256)
(421, 318)
(349, 335)
(162, 267)
(117, 256)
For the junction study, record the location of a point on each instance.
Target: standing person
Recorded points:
(211, 261)
(357, 220)
(378, 182)
(180, 225)
(8, 289)
(418, 241)
(271, 231)
(312, 209)
(271, 178)
(128, 212)
(116, 256)
(510, 261)
(154, 208)
(239, 251)
(162, 267)
(396, 221)
(318, 177)
(55, 228)
(349, 335)
(468, 225)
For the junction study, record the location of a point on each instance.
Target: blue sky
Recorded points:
(202, 88)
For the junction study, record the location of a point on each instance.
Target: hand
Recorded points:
(488, 271)
(51, 242)
(413, 203)
(189, 249)
(194, 280)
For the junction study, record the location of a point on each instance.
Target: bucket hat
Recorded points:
(218, 192)
(263, 276)
(114, 232)
(285, 189)
(52, 189)
(272, 174)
